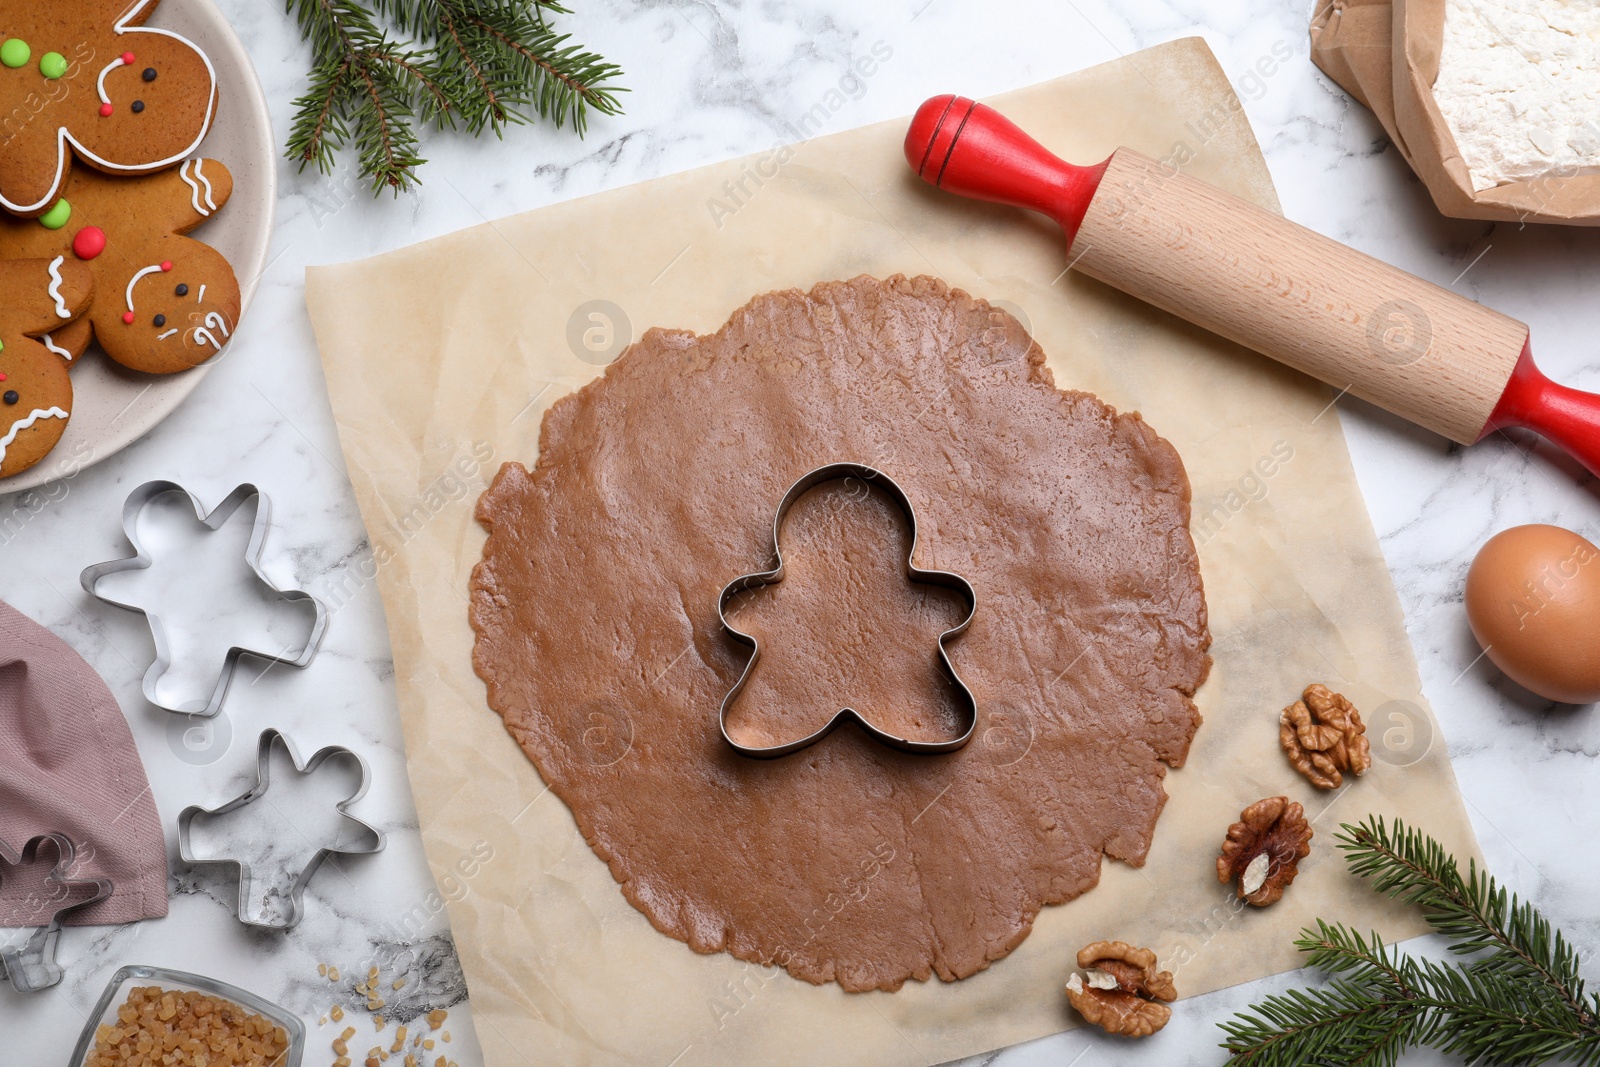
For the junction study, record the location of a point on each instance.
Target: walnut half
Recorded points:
(1120, 989)
(1264, 849)
(1324, 737)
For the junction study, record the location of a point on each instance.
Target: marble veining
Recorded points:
(711, 81)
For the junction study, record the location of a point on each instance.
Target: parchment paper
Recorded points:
(1386, 55)
(440, 359)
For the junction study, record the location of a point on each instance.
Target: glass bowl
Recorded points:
(105, 1011)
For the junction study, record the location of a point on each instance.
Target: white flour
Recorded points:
(1519, 85)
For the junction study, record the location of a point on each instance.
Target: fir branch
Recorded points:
(435, 102)
(1492, 1017)
(362, 91)
(1473, 912)
(568, 80)
(490, 107)
(385, 142)
(1345, 1023)
(484, 64)
(1517, 997)
(319, 124)
(507, 60)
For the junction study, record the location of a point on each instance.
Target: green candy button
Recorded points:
(53, 65)
(57, 216)
(15, 52)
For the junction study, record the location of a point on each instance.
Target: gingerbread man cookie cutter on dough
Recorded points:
(213, 520)
(870, 476)
(297, 892)
(33, 966)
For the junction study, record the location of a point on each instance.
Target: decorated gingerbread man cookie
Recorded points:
(163, 302)
(36, 296)
(88, 77)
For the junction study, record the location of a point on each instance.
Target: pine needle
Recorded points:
(1516, 997)
(474, 64)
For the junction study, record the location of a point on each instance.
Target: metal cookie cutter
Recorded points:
(33, 966)
(871, 476)
(256, 792)
(137, 501)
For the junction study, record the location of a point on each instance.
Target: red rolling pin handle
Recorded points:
(997, 162)
(972, 150)
(1567, 417)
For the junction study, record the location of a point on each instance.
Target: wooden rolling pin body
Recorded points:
(1225, 264)
(1272, 285)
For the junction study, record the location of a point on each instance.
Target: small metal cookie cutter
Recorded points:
(871, 476)
(263, 781)
(33, 966)
(137, 501)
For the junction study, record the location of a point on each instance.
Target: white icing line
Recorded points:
(169, 333)
(133, 281)
(194, 196)
(215, 319)
(55, 287)
(57, 349)
(100, 83)
(202, 297)
(64, 137)
(23, 424)
(206, 182)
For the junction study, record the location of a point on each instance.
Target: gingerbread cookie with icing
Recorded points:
(163, 302)
(70, 340)
(88, 78)
(36, 296)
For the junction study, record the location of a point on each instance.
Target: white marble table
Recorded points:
(712, 81)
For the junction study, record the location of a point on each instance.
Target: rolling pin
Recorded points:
(1142, 226)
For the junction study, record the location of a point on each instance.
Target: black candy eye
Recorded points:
(11, 396)
(182, 289)
(136, 107)
(149, 74)
(160, 320)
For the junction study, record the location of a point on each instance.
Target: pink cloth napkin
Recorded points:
(68, 764)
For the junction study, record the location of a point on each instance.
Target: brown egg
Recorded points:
(1533, 600)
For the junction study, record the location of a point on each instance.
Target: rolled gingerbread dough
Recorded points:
(847, 861)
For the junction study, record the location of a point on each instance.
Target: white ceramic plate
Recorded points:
(112, 407)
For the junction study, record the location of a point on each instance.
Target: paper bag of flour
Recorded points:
(1386, 55)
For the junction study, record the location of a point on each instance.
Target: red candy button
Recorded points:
(105, 111)
(127, 317)
(89, 242)
(127, 57)
(166, 264)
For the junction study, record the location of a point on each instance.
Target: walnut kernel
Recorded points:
(1120, 989)
(1264, 848)
(1255, 875)
(1324, 737)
